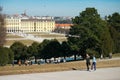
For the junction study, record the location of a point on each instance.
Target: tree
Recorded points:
(78, 35)
(92, 53)
(4, 58)
(114, 23)
(2, 29)
(55, 48)
(20, 50)
(52, 49)
(33, 50)
(10, 55)
(41, 48)
(66, 50)
(90, 32)
(74, 50)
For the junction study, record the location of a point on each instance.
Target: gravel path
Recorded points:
(99, 74)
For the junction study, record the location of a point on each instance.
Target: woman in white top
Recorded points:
(93, 63)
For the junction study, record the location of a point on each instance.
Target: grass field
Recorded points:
(25, 42)
(59, 37)
(79, 65)
(13, 36)
(36, 33)
(49, 36)
(116, 55)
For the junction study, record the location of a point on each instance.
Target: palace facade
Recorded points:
(29, 24)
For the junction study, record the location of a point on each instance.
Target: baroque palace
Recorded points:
(24, 23)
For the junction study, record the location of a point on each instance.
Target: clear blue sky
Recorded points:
(59, 7)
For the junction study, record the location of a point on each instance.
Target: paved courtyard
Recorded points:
(99, 74)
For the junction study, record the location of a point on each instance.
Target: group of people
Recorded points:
(26, 62)
(88, 63)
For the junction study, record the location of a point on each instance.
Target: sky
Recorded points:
(59, 7)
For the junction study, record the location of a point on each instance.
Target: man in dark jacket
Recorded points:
(88, 62)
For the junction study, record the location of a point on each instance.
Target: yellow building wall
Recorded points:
(12, 25)
(18, 25)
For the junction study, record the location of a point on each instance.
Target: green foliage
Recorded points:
(10, 55)
(92, 53)
(4, 58)
(116, 55)
(52, 49)
(41, 48)
(20, 50)
(93, 33)
(107, 44)
(66, 50)
(114, 23)
(33, 50)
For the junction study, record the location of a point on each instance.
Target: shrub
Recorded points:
(3, 56)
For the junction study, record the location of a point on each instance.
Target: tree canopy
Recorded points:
(114, 24)
(51, 49)
(20, 50)
(33, 50)
(93, 33)
(65, 49)
(6, 56)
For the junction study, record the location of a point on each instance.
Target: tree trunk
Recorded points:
(75, 57)
(35, 60)
(45, 60)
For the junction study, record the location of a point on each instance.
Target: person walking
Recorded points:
(88, 62)
(93, 67)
